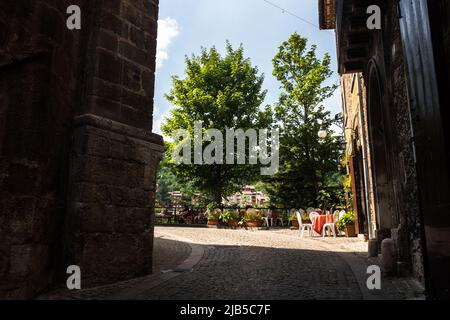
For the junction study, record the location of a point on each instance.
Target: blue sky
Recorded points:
(187, 25)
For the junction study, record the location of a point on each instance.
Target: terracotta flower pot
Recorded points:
(213, 222)
(233, 223)
(350, 231)
(254, 224)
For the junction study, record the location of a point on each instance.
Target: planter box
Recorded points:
(213, 222)
(350, 231)
(294, 223)
(254, 224)
(233, 223)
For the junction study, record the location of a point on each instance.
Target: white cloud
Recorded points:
(168, 30)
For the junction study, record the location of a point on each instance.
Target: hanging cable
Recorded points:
(295, 16)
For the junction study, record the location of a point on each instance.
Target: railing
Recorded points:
(179, 215)
(176, 215)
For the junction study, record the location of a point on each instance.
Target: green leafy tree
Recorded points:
(306, 161)
(167, 182)
(221, 92)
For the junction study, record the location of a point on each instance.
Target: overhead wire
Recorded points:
(283, 10)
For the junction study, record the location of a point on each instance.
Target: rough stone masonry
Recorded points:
(77, 157)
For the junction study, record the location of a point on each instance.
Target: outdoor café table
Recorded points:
(320, 221)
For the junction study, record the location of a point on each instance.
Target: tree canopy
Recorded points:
(222, 92)
(309, 166)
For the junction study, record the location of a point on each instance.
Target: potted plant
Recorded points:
(305, 217)
(293, 220)
(225, 216)
(253, 218)
(213, 215)
(230, 217)
(235, 218)
(347, 224)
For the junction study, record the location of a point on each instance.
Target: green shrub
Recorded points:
(252, 215)
(235, 216)
(305, 217)
(228, 215)
(347, 219)
(213, 214)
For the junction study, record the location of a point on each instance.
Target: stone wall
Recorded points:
(409, 235)
(39, 63)
(77, 156)
(111, 199)
(385, 54)
(354, 133)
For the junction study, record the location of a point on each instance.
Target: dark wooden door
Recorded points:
(430, 142)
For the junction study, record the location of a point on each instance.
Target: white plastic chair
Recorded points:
(331, 225)
(267, 218)
(304, 226)
(312, 216)
(279, 218)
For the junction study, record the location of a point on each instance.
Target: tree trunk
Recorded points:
(310, 157)
(218, 191)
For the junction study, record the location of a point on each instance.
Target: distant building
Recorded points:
(248, 196)
(176, 197)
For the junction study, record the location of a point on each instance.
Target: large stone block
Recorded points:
(131, 14)
(114, 195)
(388, 257)
(109, 66)
(111, 22)
(108, 40)
(117, 257)
(96, 217)
(132, 76)
(106, 90)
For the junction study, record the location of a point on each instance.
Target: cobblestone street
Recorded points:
(209, 263)
(240, 264)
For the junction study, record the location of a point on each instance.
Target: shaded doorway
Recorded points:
(381, 170)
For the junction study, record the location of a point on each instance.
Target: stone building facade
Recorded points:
(396, 134)
(77, 156)
(358, 153)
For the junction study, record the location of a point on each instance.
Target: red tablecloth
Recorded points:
(320, 221)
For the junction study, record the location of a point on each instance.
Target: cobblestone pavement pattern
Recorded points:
(275, 264)
(258, 264)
